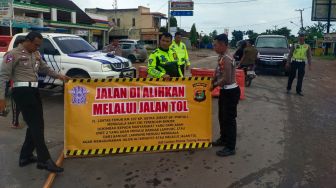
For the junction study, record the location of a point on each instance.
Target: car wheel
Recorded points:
(132, 58)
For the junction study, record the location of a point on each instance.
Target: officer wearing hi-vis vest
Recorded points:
(182, 52)
(164, 62)
(299, 55)
(22, 65)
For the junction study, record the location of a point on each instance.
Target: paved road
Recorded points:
(283, 141)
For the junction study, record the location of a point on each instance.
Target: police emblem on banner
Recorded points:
(78, 95)
(199, 91)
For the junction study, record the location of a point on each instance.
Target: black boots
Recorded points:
(50, 166)
(27, 161)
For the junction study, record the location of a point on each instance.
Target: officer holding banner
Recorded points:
(182, 52)
(299, 55)
(164, 61)
(22, 65)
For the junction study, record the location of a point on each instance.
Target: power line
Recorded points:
(226, 2)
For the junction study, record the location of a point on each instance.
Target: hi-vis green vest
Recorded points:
(164, 62)
(181, 51)
(300, 52)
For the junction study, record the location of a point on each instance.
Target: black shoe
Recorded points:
(27, 161)
(50, 166)
(225, 152)
(288, 91)
(218, 142)
(300, 94)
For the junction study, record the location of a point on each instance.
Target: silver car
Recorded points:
(133, 51)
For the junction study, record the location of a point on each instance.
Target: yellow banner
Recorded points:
(124, 115)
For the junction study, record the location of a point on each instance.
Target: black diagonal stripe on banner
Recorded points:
(124, 79)
(202, 78)
(68, 152)
(151, 79)
(131, 79)
(151, 148)
(190, 78)
(145, 148)
(96, 151)
(103, 80)
(138, 79)
(82, 152)
(89, 152)
(118, 149)
(196, 146)
(158, 79)
(196, 78)
(203, 145)
(131, 149)
(164, 147)
(110, 80)
(177, 79)
(95, 80)
(117, 79)
(75, 152)
(104, 150)
(209, 78)
(144, 79)
(81, 80)
(183, 78)
(74, 80)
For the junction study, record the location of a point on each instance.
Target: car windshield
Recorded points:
(69, 45)
(268, 42)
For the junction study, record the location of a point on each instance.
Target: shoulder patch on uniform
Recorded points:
(9, 58)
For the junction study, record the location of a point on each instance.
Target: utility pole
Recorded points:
(275, 27)
(301, 17)
(328, 26)
(169, 1)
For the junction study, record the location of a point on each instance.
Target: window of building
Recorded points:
(118, 22)
(133, 22)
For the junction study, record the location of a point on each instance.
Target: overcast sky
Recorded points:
(209, 15)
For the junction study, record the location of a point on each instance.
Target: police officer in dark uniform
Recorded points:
(22, 65)
(164, 61)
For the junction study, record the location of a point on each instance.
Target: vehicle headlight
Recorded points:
(286, 56)
(106, 67)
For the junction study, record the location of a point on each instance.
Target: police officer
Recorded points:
(164, 62)
(225, 77)
(114, 48)
(182, 52)
(22, 65)
(299, 55)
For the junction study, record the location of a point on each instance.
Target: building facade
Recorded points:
(138, 23)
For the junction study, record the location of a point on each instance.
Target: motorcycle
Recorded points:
(249, 73)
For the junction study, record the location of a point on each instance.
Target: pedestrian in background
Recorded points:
(22, 66)
(299, 56)
(225, 77)
(182, 52)
(113, 47)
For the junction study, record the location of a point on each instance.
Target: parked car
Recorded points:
(73, 56)
(134, 52)
(273, 52)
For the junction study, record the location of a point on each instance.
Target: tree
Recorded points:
(315, 31)
(236, 36)
(206, 40)
(163, 29)
(252, 35)
(173, 22)
(193, 35)
(213, 34)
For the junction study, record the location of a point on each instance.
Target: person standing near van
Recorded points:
(299, 55)
(182, 52)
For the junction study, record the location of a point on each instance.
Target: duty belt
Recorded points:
(299, 60)
(25, 84)
(231, 86)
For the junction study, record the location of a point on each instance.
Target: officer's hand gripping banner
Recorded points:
(125, 115)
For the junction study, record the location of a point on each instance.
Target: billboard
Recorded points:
(182, 5)
(6, 8)
(320, 10)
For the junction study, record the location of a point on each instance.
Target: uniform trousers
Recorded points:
(29, 101)
(227, 113)
(300, 68)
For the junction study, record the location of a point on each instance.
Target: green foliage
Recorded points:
(251, 35)
(236, 36)
(193, 35)
(163, 29)
(173, 22)
(206, 40)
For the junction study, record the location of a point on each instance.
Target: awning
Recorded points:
(49, 29)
